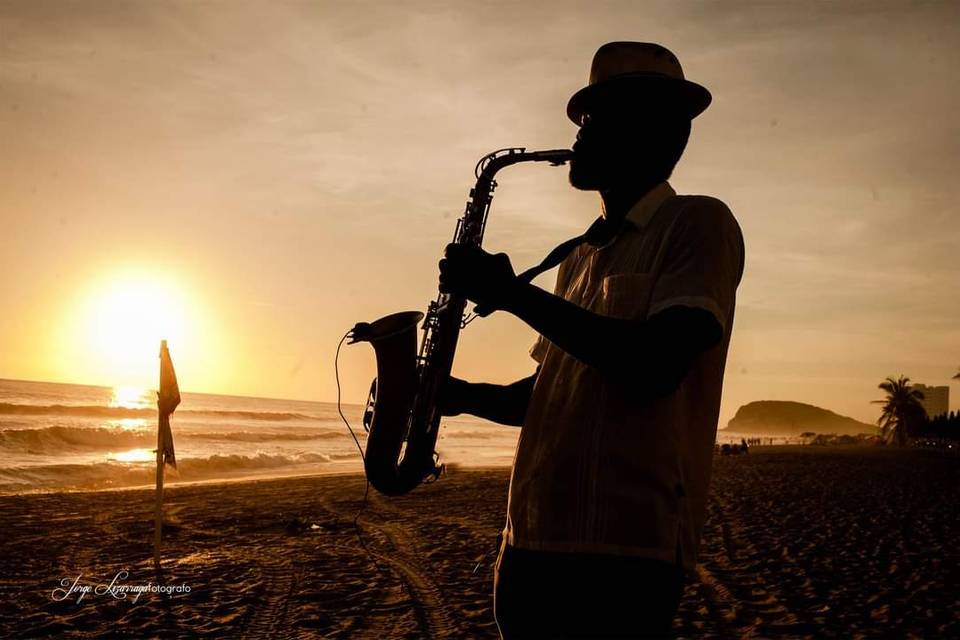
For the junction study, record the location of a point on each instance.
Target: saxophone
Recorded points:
(401, 416)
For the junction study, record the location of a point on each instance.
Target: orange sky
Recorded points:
(282, 171)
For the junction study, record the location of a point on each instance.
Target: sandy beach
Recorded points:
(800, 542)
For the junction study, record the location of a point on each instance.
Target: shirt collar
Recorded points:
(643, 209)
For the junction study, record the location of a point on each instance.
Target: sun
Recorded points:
(109, 328)
(126, 318)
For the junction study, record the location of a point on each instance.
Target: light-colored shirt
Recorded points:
(598, 468)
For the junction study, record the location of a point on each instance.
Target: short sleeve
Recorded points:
(539, 349)
(703, 261)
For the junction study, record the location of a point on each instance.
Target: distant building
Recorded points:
(936, 400)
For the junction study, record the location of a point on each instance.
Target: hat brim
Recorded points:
(684, 97)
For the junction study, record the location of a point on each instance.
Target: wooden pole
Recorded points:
(158, 506)
(158, 503)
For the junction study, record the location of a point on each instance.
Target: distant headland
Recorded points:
(785, 418)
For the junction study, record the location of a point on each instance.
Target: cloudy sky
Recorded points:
(278, 171)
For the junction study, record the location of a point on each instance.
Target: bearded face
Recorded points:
(617, 146)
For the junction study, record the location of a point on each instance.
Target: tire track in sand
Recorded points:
(270, 619)
(734, 586)
(389, 544)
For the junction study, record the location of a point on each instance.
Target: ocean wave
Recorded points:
(68, 439)
(253, 436)
(104, 475)
(56, 440)
(99, 411)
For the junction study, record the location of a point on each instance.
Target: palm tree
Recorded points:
(902, 410)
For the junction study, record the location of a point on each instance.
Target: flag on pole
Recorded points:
(167, 400)
(168, 397)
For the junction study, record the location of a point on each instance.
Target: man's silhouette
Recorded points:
(608, 492)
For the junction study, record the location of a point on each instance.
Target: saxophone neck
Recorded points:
(470, 227)
(491, 163)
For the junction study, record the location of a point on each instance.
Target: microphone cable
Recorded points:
(363, 459)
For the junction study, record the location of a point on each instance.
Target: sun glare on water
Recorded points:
(130, 397)
(133, 455)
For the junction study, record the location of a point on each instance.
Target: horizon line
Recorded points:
(203, 393)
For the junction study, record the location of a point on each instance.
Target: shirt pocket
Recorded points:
(625, 295)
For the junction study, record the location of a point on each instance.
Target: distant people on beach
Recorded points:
(744, 446)
(735, 449)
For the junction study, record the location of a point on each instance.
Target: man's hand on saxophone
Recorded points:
(472, 273)
(489, 280)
